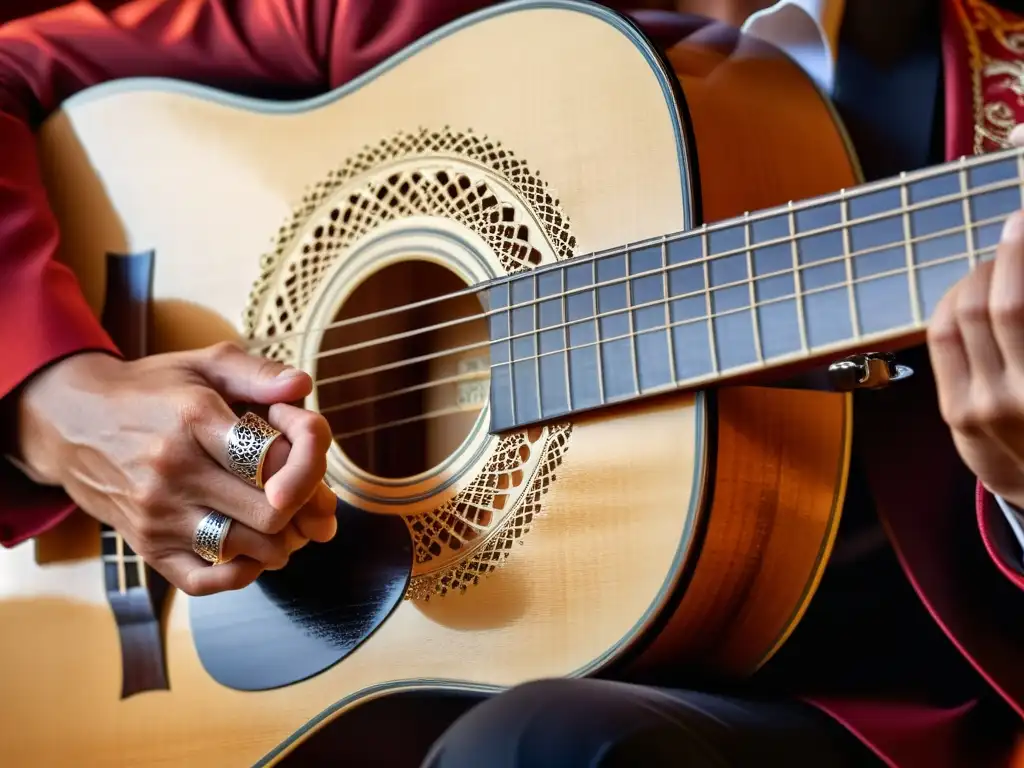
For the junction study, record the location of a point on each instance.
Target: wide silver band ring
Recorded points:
(248, 443)
(209, 537)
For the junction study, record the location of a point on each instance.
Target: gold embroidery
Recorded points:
(997, 80)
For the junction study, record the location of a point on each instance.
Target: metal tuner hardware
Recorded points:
(868, 370)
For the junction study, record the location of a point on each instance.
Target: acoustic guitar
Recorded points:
(518, 259)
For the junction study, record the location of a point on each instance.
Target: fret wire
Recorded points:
(791, 240)
(754, 322)
(120, 558)
(794, 238)
(860, 191)
(703, 234)
(597, 331)
(768, 213)
(511, 354)
(799, 292)
(777, 273)
(707, 298)
(865, 189)
(122, 561)
(915, 300)
(121, 575)
(797, 279)
(564, 329)
(669, 341)
(839, 344)
(536, 344)
(632, 330)
(848, 263)
(778, 299)
(972, 258)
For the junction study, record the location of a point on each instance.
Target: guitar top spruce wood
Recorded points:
(532, 292)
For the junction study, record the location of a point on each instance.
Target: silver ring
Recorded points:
(248, 443)
(210, 534)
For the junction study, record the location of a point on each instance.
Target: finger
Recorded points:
(974, 318)
(213, 484)
(296, 539)
(270, 550)
(210, 420)
(1007, 295)
(948, 357)
(292, 471)
(194, 576)
(242, 377)
(317, 520)
(310, 438)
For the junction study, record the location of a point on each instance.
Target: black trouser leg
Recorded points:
(595, 723)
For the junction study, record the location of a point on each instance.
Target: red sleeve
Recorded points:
(285, 48)
(999, 540)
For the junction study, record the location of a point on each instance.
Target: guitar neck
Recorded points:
(831, 275)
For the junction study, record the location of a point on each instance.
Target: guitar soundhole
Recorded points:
(403, 390)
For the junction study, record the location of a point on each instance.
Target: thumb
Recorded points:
(240, 376)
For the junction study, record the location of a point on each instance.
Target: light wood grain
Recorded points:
(207, 185)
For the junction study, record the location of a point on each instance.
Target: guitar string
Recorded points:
(746, 281)
(844, 195)
(961, 166)
(656, 272)
(631, 335)
(661, 270)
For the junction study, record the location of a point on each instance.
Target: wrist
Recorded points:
(49, 406)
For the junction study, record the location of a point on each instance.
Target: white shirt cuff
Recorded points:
(1015, 519)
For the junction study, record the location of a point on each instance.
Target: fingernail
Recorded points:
(1013, 229)
(289, 373)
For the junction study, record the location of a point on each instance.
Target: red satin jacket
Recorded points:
(309, 46)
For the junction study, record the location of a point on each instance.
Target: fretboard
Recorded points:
(830, 275)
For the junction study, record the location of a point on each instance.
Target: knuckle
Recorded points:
(1008, 313)
(223, 350)
(307, 423)
(253, 513)
(147, 529)
(193, 586)
(277, 554)
(322, 432)
(942, 331)
(165, 457)
(197, 405)
(148, 494)
(957, 416)
(970, 309)
(277, 520)
(270, 521)
(317, 469)
(989, 409)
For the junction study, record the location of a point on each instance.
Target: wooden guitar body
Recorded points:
(685, 527)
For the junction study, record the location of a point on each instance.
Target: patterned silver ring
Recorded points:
(248, 443)
(209, 537)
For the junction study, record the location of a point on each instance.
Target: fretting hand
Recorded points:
(143, 447)
(976, 343)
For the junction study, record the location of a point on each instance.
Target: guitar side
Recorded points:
(633, 557)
